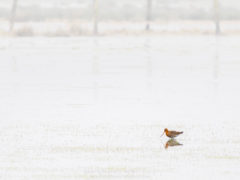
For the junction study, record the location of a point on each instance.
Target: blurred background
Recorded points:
(87, 17)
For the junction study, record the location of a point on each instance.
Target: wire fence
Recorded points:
(143, 14)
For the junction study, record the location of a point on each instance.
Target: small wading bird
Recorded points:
(171, 134)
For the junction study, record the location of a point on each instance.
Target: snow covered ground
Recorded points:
(95, 107)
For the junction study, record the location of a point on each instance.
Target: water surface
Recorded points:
(94, 108)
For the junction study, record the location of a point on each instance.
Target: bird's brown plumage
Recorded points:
(172, 134)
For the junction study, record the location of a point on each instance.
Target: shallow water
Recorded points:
(95, 108)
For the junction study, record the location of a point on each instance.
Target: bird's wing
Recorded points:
(176, 132)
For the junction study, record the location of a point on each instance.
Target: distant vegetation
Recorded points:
(117, 10)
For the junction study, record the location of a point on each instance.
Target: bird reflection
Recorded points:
(172, 142)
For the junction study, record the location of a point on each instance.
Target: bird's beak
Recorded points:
(162, 134)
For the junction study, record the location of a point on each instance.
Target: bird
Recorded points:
(171, 134)
(172, 142)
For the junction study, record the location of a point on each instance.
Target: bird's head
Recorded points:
(165, 130)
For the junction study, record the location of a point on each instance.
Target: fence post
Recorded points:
(13, 14)
(148, 14)
(95, 12)
(216, 17)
